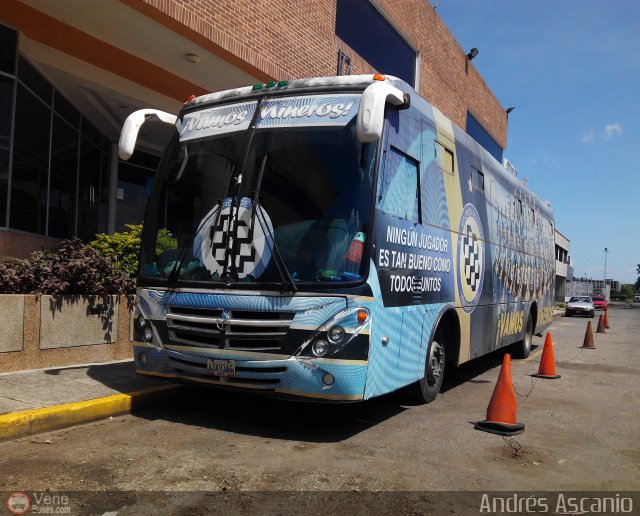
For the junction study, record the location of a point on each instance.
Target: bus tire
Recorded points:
(426, 390)
(523, 348)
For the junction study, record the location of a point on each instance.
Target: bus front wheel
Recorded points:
(426, 390)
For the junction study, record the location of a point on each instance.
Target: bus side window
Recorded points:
(400, 188)
(444, 156)
(478, 179)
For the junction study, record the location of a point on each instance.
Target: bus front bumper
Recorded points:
(301, 377)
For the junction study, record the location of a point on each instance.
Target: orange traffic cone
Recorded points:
(547, 364)
(600, 328)
(501, 412)
(588, 338)
(606, 320)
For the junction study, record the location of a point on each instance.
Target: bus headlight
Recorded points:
(320, 347)
(141, 322)
(147, 334)
(336, 333)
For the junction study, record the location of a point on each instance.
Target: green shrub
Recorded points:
(123, 248)
(73, 268)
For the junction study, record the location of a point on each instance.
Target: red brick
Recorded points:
(289, 39)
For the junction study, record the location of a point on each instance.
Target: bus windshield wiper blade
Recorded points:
(256, 208)
(174, 275)
(281, 265)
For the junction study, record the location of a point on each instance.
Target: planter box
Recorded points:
(71, 321)
(11, 322)
(45, 331)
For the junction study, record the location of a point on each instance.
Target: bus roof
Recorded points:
(355, 81)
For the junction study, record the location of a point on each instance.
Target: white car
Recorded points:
(580, 305)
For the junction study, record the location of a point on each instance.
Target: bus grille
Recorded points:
(242, 330)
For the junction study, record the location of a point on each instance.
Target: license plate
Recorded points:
(226, 368)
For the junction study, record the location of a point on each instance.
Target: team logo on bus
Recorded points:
(470, 258)
(223, 233)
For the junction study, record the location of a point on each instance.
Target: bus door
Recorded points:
(397, 224)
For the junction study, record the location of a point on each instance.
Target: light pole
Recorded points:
(606, 252)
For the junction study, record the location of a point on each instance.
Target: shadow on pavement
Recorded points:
(251, 414)
(255, 414)
(468, 371)
(120, 376)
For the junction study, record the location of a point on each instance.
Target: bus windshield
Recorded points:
(283, 205)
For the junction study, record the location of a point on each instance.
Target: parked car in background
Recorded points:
(600, 302)
(580, 305)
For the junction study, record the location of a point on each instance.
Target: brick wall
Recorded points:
(290, 39)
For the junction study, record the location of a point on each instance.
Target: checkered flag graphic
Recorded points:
(471, 254)
(217, 234)
(246, 257)
(244, 235)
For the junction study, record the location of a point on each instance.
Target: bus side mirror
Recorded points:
(132, 125)
(371, 113)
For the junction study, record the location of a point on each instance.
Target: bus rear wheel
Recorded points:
(523, 348)
(426, 390)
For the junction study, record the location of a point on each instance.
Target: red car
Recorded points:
(600, 303)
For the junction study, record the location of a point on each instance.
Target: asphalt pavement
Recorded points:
(42, 400)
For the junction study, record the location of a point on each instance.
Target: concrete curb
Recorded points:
(30, 422)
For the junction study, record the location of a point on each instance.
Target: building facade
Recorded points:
(71, 71)
(564, 271)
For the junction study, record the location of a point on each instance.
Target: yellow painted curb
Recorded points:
(29, 422)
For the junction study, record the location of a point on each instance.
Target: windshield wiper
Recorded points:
(257, 211)
(174, 275)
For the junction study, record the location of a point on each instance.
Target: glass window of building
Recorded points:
(134, 187)
(31, 78)
(63, 179)
(54, 164)
(28, 203)
(8, 49)
(6, 106)
(482, 136)
(361, 26)
(93, 190)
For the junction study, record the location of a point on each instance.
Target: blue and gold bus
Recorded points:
(332, 239)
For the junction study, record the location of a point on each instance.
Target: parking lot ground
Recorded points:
(582, 434)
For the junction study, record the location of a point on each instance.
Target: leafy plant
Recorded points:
(123, 248)
(74, 268)
(16, 276)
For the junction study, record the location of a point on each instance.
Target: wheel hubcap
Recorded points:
(528, 334)
(436, 362)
